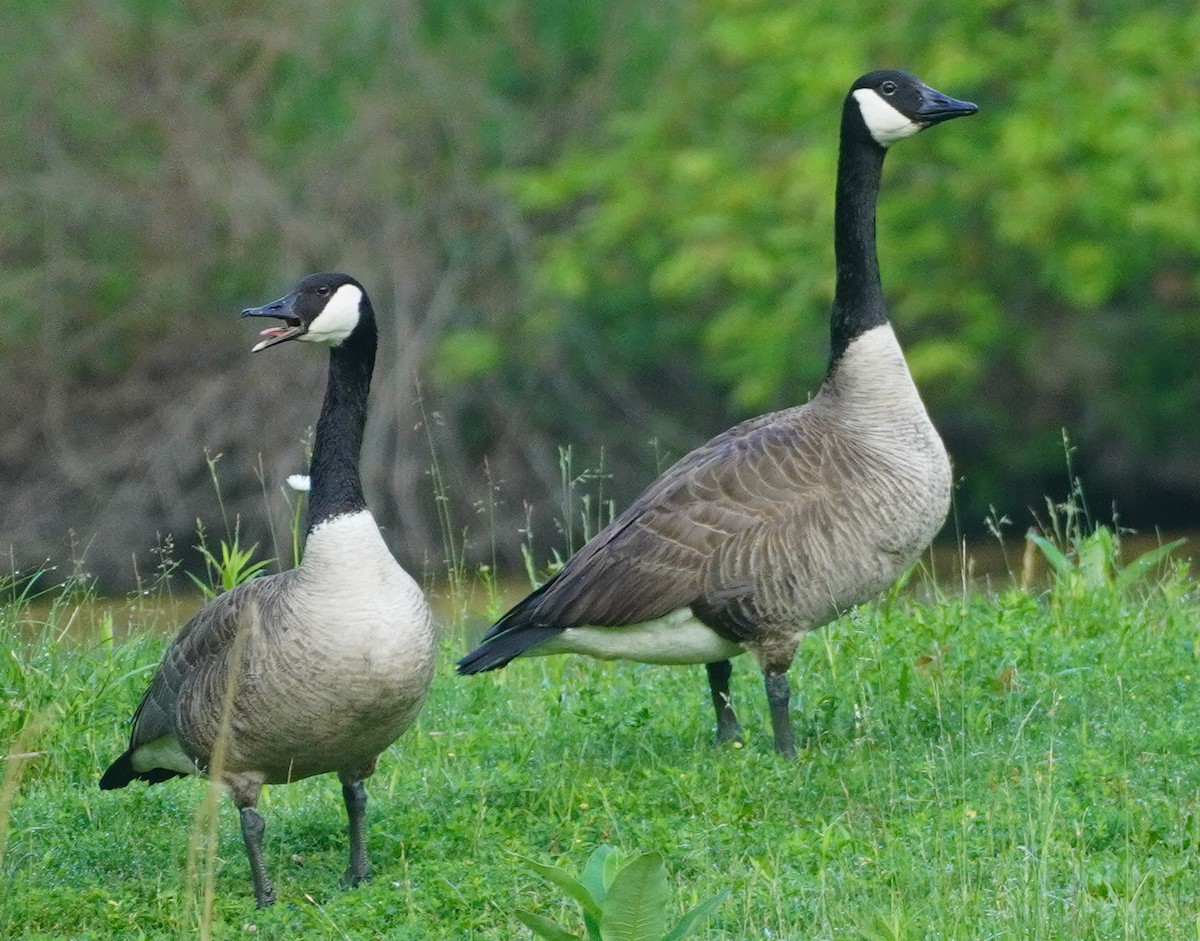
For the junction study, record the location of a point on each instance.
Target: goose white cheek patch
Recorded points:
(339, 318)
(886, 124)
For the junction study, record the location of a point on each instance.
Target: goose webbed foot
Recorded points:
(351, 879)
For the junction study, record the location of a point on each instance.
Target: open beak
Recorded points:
(283, 309)
(936, 107)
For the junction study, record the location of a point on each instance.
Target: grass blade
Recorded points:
(1136, 569)
(693, 917)
(1058, 561)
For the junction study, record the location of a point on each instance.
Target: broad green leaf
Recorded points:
(612, 865)
(1096, 558)
(544, 927)
(1143, 563)
(568, 883)
(596, 879)
(594, 872)
(693, 917)
(1059, 562)
(635, 909)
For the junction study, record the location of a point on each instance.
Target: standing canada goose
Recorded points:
(784, 522)
(316, 669)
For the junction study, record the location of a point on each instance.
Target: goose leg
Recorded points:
(728, 729)
(252, 831)
(354, 793)
(778, 694)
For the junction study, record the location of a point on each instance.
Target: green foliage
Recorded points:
(466, 354)
(1026, 252)
(622, 900)
(166, 163)
(1085, 558)
(229, 565)
(1093, 564)
(603, 222)
(228, 569)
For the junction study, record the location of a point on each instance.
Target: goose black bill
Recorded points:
(282, 309)
(935, 107)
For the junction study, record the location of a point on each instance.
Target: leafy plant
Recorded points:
(1086, 558)
(1093, 563)
(229, 565)
(622, 900)
(230, 568)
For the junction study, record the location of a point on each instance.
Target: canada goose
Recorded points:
(316, 669)
(785, 521)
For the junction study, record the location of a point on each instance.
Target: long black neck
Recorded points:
(858, 303)
(336, 483)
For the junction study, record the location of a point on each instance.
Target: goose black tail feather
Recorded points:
(503, 647)
(121, 772)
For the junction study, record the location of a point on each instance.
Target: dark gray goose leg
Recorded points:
(252, 832)
(354, 793)
(728, 729)
(778, 694)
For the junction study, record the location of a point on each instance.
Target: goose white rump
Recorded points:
(674, 639)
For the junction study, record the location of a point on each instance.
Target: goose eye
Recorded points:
(323, 290)
(888, 87)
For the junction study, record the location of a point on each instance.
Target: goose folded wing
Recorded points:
(658, 556)
(197, 665)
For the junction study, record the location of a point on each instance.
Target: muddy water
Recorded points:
(86, 619)
(984, 567)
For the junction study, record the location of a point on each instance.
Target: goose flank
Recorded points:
(785, 521)
(314, 670)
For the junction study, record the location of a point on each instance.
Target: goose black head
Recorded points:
(323, 308)
(894, 105)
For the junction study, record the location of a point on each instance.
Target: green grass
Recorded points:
(1018, 766)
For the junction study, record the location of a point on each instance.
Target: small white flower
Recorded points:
(300, 482)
